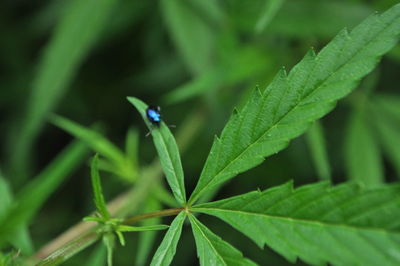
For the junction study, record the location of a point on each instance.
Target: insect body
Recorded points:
(154, 115)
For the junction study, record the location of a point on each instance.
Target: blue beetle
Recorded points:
(153, 113)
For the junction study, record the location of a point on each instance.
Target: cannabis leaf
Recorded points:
(167, 150)
(343, 225)
(270, 119)
(166, 251)
(212, 250)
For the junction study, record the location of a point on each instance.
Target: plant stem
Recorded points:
(163, 213)
(70, 249)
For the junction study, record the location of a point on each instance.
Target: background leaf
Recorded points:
(146, 239)
(270, 10)
(123, 166)
(319, 153)
(28, 201)
(343, 225)
(98, 256)
(72, 40)
(92, 138)
(363, 161)
(321, 18)
(21, 238)
(192, 34)
(132, 148)
(240, 65)
(167, 151)
(290, 103)
(386, 117)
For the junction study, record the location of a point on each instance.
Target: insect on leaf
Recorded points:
(168, 152)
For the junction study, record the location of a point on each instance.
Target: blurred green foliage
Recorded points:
(197, 59)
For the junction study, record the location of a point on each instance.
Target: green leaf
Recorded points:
(99, 201)
(6, 195)
(20, 239)
(192, 34)
(128, 228)
(120, 237)
(270, 9)
(167, 151)
(363, 160)
(166, 251)
(342, 225)
(78, 29)
(241, 64)
(146, 239)
(389, 103)
(109, 242)
(319, 154)
(296, 21)
(270, 119)
(164, 196)
(212, 250)
(10, 258)
(132, 147)
(93, 219)
(97, 256)
(388, 130)
(200, 85)
(300, 19)
(92, 138)
(34, 194)
(120, 165)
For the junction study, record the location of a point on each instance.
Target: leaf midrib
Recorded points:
(174, 169)
(293, 108)
(297, 220)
